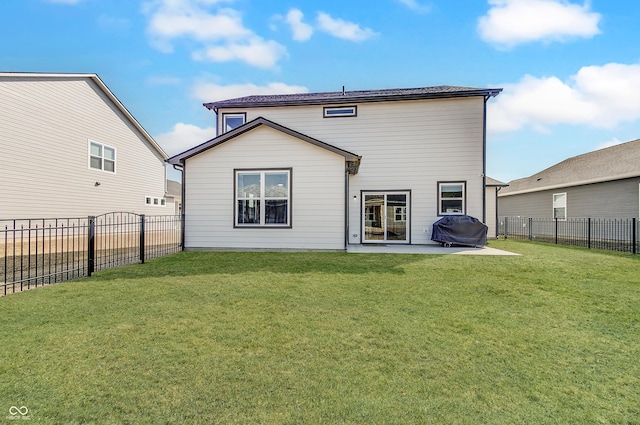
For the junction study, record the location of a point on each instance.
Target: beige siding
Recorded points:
(45, 126)
(405, 145)
(492, 231)
(317, 199)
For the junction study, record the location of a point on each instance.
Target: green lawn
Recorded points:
(549, 337)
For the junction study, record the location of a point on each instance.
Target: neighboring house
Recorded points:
(493, 187)
(324, 170)
(174, 196)
(600, 184)
(69, 148)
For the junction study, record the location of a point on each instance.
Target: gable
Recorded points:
(352, 160)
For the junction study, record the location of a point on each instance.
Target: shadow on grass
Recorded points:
(205, 263)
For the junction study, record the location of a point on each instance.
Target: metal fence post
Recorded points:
(530, 229)
(142, 229)
(556, 231)
(589, 232)
(91, 253)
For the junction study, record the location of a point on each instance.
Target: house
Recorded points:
(174, 196)
(599, 184)
(325, 170)
(70, 148)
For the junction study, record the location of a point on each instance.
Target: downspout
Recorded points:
(346, 208)
(484, 161)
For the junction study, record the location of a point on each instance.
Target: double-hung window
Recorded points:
(451, 198)
(102, 157)
(263, 198)
(231, 121)
(560, 206)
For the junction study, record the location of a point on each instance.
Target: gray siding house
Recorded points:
(599, 184)
(69, 148)
(325, 170)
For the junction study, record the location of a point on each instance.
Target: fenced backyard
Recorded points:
(594, 233)
(44, 251)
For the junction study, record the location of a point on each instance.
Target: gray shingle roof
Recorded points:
(613, 163)
(494, 182)
(352, 96)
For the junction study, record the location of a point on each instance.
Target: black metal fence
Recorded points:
(37, 252)
(610, 234)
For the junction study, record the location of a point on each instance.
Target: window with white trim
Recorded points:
(400, 214)
(560, 206)
(155, 201)
(102, 157)
(231, 121)
(340, 111)
(263, 198)
(451, 198)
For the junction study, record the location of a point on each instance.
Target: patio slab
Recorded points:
(425, 249)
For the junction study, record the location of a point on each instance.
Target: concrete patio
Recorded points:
(424, 249)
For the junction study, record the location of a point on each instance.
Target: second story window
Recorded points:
(231, 121)
(340, 111)
(102, 157)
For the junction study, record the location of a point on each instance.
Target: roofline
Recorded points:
(356, 99)
(181, 157)
(574, 184)
(106, 91)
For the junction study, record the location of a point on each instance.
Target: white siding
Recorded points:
(405, 145)
(45, 125)
(492, 231)
(317, 193)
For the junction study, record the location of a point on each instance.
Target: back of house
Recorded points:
(69, 148)
(324, 170)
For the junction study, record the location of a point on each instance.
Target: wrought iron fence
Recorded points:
(599, 233)
(37, 252)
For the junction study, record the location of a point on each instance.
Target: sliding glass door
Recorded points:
(385, 217)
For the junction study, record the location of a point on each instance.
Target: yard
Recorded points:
(550, 337)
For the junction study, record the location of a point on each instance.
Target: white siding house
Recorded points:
(363, 167)
(69, 148)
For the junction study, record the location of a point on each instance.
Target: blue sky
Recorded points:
(570, 70)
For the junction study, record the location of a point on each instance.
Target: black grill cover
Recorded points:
(459, 230)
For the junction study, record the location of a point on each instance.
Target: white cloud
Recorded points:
(254, 51)
(597, 96)
(183, 137)
(210, 92)
(415, 6)
(301, 31)
(343, 29)
(221, 34)
(512, 22)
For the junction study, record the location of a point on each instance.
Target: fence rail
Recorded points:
(609, 234)
(37, 252)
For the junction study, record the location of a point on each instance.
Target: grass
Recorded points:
(550, 337)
